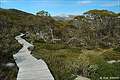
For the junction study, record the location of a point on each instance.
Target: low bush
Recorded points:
(116, 49)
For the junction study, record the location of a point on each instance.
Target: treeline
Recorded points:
(97, 28)
(93, 29)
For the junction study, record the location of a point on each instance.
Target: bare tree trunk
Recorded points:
(42, 36)
(53, 39)
(73, 38)
(51, 31)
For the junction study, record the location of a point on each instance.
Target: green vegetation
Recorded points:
(60, 59)
(101, 12)
(111, 55)
(12, 23)
(80, 46)
(65, 62)
(43, 13)
(117, 49)
(8, 47)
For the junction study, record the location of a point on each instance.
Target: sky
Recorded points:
(61, 7)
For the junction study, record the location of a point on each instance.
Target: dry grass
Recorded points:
(65, 62)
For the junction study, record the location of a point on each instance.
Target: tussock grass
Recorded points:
(111, 55)
(65, 62)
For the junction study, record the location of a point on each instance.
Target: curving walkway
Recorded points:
(29, 67)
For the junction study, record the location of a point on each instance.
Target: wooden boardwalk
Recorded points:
(29, 67)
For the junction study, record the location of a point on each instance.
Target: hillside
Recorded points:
(12, 23)
(69, 47)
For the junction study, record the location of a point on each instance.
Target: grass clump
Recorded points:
(116, 49)
(61, 60)
(111, 55)
(66, 62)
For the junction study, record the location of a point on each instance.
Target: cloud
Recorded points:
(108, 4)
(111, 4)
(104, 3)
(43, 3)
(3, 1)
(83, 3)
(6, 1)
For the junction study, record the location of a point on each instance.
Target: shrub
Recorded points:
(116, 49)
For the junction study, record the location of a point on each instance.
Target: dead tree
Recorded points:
(53, 39)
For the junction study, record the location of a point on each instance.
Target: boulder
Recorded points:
(30, 48)
(10, 65)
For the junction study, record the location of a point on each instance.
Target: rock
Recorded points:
(10, 65)
(30, 48)
(111, 62)
(81, 78)
(118, 61)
